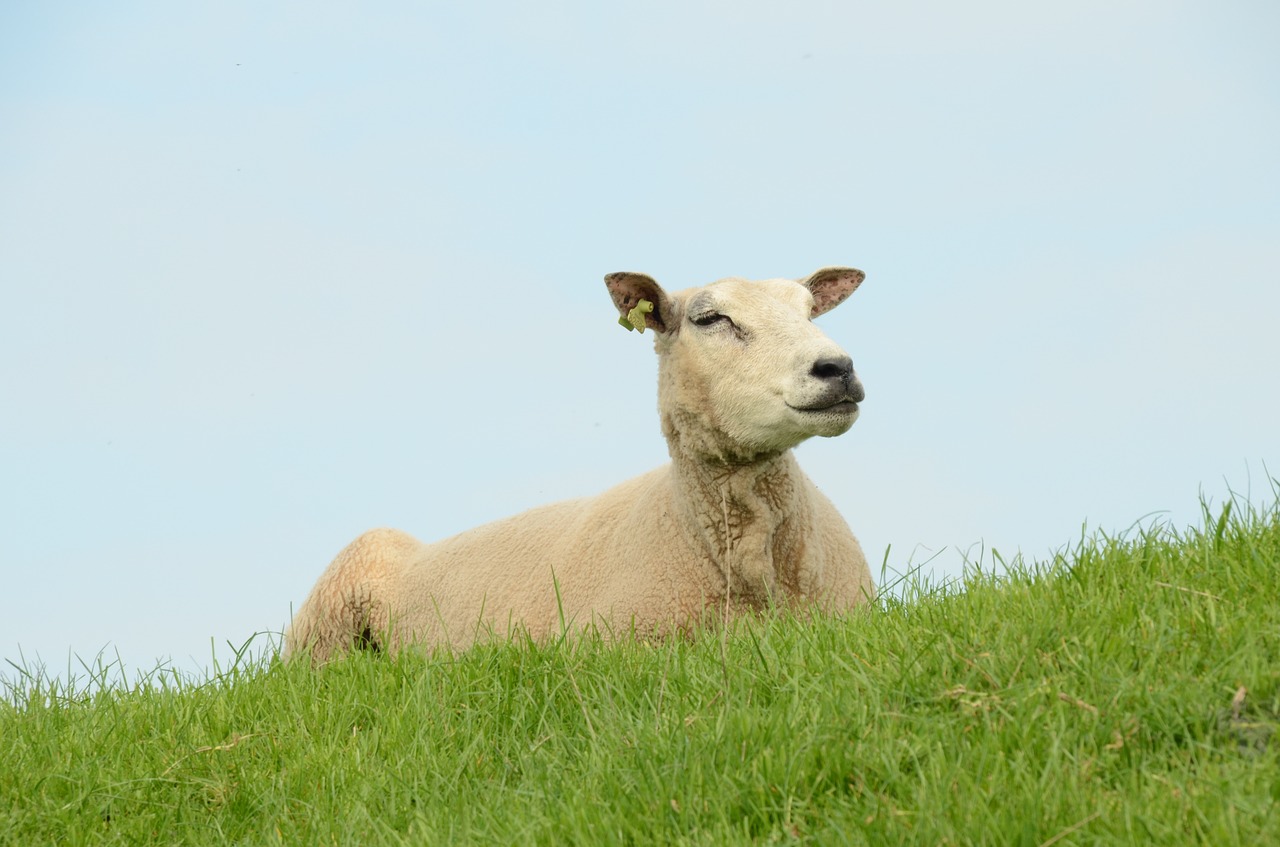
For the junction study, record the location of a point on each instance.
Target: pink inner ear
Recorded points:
(825, 299)
(831, 287)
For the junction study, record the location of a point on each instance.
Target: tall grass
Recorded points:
(1125, 691)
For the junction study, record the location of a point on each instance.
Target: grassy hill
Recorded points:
(1126, 692)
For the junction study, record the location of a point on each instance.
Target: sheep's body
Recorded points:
(731, 523)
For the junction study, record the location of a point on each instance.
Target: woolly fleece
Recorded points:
(730, 525)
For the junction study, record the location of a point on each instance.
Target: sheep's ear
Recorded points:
(628, 289)
(830, 287)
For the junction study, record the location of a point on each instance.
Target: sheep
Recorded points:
(730, 526)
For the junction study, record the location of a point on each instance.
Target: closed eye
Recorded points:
(710, 318)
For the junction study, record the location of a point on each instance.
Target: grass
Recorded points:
(1125, 692)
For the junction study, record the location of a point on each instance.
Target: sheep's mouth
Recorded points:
(840, 407)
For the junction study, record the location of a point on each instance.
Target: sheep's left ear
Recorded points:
(628, 289)
(830, 287)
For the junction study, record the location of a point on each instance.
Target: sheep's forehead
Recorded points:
(745, 297)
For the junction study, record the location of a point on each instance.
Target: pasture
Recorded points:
(1125, 691)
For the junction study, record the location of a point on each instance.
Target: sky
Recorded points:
(275, 274)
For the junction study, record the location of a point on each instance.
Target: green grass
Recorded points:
(1127, 692)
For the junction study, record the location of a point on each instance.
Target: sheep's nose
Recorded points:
(837, 372)
(833, 368)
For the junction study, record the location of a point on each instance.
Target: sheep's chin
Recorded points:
(829, 421)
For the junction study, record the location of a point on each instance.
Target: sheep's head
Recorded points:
(743, 372)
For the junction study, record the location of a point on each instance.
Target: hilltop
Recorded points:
(1125, 691)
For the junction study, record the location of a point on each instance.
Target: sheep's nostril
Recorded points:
(833, 367)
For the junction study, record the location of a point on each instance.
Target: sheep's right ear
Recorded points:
(628, 289)
(830, 287)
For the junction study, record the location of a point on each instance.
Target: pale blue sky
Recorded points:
(275, 274)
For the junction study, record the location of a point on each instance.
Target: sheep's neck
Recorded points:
(749, 519)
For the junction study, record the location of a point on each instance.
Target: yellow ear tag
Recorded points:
(635, 318)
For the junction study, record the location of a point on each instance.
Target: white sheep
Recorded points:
(730, 524)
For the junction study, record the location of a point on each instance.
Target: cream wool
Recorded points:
(731, 524)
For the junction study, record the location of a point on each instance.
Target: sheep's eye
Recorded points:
(709, 318)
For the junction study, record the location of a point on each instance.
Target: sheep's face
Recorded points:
(743, 371)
